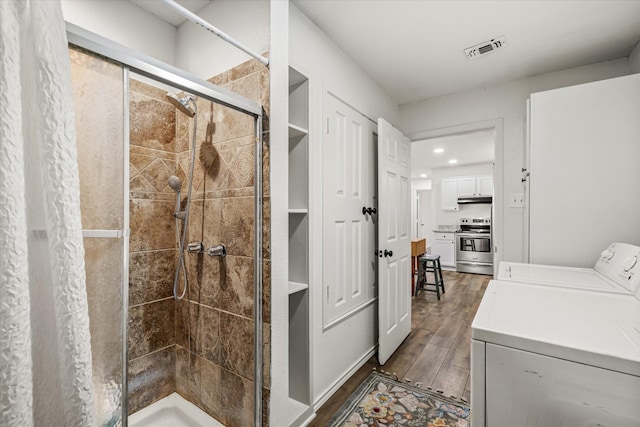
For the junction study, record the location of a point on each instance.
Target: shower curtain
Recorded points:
(45, 348)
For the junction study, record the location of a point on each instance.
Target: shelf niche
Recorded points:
(298, 283)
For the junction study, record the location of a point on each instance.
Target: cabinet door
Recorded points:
(484, 186)
(558, 392)
(449, 257)
(568, 156)
(467, 186)
(446, 250)
(449, 194)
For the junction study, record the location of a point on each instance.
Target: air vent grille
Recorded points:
(485, 48)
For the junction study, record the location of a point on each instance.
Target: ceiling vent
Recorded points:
(485, 48)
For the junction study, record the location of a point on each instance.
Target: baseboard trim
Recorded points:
(343, 379)
(307, 421)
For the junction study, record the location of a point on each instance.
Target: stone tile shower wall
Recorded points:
(214, 324)
(153, 247)
(201, 347)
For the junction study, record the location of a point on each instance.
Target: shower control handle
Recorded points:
(195, 247)
(220, 250)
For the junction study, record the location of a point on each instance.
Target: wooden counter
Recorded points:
(418, 248)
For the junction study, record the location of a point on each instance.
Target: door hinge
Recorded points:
(327, 293)
(328, 125)
(525, 175)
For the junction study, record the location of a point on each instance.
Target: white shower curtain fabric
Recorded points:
(45, 346)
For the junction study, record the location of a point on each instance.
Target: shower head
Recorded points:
(182, 104)
(174, 183)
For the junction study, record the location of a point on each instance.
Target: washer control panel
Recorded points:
(620, 262)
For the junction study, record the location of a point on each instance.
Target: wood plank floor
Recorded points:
(437, 352)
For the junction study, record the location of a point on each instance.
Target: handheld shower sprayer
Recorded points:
(174, 183)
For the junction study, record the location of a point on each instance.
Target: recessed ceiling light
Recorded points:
(452, 161)
(438, 150)
(423, 175)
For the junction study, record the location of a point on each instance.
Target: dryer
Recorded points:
(555, 356)
(617, 270)
(554, 345)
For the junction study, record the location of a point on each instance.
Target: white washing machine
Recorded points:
(559, 346)
(555, 356)
(617, 270)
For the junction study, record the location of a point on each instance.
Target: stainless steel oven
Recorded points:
(473, 246)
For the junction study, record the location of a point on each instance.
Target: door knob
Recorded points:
(370, 211)
(388, 253)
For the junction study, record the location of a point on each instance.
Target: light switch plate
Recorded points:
(516, 200)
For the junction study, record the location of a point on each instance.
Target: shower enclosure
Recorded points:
(140, 151)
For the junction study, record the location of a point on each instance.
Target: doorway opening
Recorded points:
(453, 177)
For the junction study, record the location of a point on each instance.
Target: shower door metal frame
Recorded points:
(147, 66)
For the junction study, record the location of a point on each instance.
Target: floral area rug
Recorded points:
(383, 401)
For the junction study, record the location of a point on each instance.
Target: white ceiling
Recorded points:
(415, 49)
(168, 14)
(467, 149)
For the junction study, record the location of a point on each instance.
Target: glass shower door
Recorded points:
(99, 104)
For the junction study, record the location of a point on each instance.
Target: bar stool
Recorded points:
(429, 264)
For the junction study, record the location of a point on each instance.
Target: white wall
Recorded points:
(508, 102)
(189, 47)
(421, 184)
(340, 349)
(205, 55)
(634, 60)
(125, 23)
(312, 49)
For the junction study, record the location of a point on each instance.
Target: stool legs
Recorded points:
(441, 281)
(422, 279)
(437, 275)
(433, 266)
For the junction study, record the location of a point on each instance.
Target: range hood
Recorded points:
(474, 199)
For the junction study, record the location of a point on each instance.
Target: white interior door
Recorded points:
(425, 218)
(348, 233)
(394, 239)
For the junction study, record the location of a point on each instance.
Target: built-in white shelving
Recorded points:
(299, 332)
(297, 131)
(297, 287)
(296, 410)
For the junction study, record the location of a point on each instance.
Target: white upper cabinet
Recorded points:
(464, 186)
(583, 160)
(450, 194)
(473, 186)
(484, 185)
(467, 186)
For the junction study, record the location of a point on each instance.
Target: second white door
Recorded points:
(394, 239)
